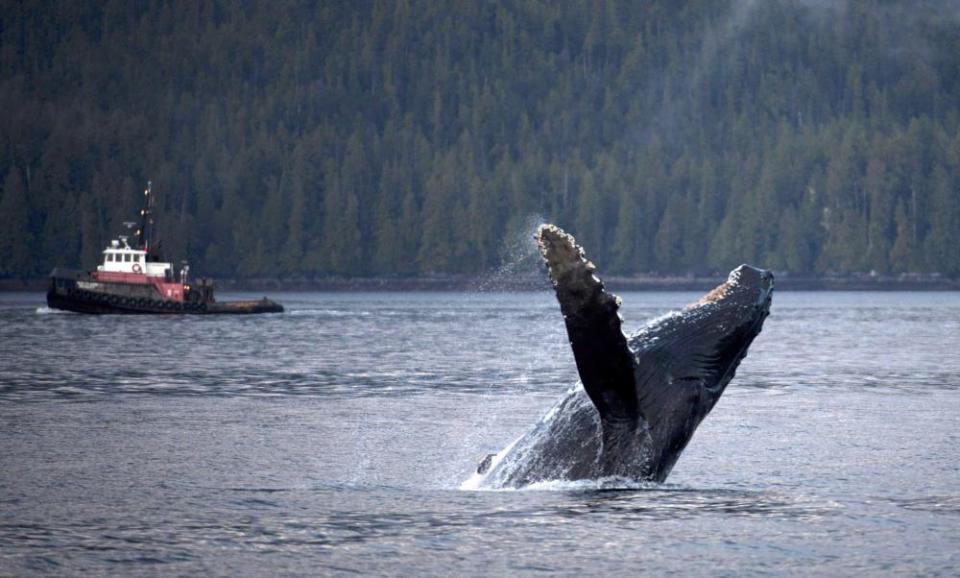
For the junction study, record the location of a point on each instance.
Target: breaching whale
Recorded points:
(639, 399)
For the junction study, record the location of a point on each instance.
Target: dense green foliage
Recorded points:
(406, 137)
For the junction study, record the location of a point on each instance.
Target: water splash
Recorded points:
(520, 269)
(520, 263)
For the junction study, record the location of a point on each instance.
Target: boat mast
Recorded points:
(145, 233)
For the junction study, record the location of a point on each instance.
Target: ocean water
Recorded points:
(333, 439)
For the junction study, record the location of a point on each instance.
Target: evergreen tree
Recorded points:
(17, 250)
(943, 241)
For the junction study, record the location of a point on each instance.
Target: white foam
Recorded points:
(604, 483)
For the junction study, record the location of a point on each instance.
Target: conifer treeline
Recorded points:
(406, 137)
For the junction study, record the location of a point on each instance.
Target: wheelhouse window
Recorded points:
(126, 257)
(109, 257)
(136, 258)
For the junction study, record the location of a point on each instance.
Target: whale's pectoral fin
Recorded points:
(600, 349)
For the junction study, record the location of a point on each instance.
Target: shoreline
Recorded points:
(498, 283)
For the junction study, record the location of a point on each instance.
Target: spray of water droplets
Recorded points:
(520, 261)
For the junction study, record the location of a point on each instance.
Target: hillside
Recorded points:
(409, 138)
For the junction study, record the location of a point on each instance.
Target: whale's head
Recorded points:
(747, 292)
(744, 298)
(724, 322)
(686, 359)
(699, 348)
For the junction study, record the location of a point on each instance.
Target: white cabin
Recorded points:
(119, 257)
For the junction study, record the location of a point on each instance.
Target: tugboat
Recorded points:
(136, 280)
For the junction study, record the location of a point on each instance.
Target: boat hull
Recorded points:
(73, 291)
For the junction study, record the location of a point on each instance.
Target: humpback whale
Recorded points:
(640, 398)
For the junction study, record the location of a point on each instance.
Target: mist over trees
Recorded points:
(409, 137)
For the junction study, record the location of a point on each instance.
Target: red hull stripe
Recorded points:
(167, 291)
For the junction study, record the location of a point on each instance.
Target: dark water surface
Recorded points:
(333, 439)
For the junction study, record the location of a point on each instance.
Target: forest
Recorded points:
(297, 139)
